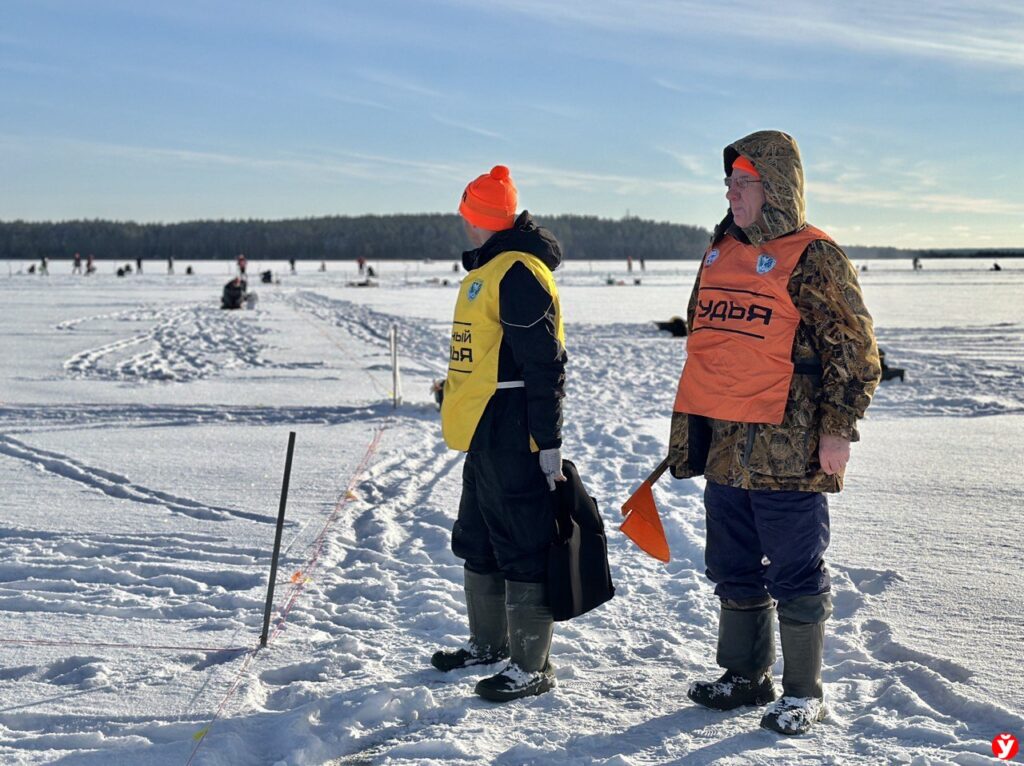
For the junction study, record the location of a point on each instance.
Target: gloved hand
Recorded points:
(551, 466)
(677, 446)
(688, 445)
(437, 391)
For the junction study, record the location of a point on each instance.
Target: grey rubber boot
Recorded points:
(746, 649)
(803, 644)
(530, 626)
(488, 628)
(802, 649)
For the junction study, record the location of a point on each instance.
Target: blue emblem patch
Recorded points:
(765, 263)
(712, 257)
(474, 289)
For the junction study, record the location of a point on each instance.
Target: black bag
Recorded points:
(579, 578)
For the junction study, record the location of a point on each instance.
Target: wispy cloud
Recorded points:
(692, 88)
(454, 173)
(564, 111)
(984, 32)
(395, 82)
(902, 183)
(694, 164)
(575, 180)
(355, 101)
(912, 200)
(468, 128)
(320, 165)
(845, 176)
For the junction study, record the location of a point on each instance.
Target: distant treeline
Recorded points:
(1012, 252)
(371, 237)
(862, 253)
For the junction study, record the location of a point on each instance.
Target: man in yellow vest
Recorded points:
(502, 405)
(781, 363)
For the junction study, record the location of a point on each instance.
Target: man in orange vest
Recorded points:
(502, 405)
(781, 363)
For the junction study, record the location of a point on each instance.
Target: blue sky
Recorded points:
(909, 114)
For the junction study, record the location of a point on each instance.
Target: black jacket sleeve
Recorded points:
(528, 322)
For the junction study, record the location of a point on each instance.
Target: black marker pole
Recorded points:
(277, 539)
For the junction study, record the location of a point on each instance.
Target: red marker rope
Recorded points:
(318, 543)
(296, 590)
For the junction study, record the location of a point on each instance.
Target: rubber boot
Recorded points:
(802, 704)
(530, 626)
(488, 629)
(746, 649)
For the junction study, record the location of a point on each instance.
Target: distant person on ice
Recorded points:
(503, 406)
(781, 363)
(234, 294)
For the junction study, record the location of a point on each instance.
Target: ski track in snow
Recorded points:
(422, 342)
(953, 371)
(964, 371)
(348, 680)
(117, 486)
(163, 577)
(29, 418)
(183, 343)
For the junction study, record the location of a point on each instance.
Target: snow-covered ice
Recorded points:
(142, 441)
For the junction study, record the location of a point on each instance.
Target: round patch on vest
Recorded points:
(474, 289)
(712, 257)
(765, 263)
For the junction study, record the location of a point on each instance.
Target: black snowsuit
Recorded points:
(506, 514)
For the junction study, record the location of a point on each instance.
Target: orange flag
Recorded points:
(642, 524)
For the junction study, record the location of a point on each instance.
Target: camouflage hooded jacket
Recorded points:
(835, 334)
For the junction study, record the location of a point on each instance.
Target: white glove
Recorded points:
(551, 466)
(437, 391)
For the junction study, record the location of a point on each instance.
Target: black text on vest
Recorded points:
(730, 310)
(460, 353)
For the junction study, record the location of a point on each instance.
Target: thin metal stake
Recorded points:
(396, 375)
(277, 539)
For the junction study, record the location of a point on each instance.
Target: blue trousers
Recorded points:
(766, 540)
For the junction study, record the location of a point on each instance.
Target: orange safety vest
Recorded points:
(739, 351)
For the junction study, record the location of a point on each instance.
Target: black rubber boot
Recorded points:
(746, 649)
(803, 701)
(732, 691)
(530, 626)
(488, 629)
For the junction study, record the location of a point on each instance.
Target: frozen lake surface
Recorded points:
(142, 437)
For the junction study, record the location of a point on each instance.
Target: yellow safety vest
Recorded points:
(476, 342)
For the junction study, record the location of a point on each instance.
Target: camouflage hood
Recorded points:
(776, 157)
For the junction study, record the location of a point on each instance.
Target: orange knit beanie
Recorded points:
(742, 163)
(490, 201)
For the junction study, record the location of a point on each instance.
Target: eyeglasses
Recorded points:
(740, 184)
